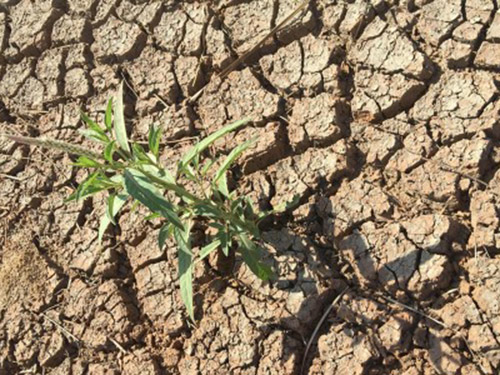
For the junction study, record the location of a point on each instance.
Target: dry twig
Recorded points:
(318, 326)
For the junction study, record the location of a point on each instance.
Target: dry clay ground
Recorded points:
(382, 115)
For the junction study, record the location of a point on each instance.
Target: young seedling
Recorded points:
(198, 190)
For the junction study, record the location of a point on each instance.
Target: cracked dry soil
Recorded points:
(384, 115)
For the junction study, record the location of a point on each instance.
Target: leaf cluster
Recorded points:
(197, 191)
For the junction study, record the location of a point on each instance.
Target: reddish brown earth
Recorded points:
(383, 115)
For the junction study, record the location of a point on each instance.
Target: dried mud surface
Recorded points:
(383, 115)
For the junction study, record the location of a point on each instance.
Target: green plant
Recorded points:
(198, 191)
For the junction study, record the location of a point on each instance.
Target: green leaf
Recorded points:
(108, 117)
(86, 162)
(109, 211)
(205, 209)
(285, 206)
(222, 185)
(117, 179)
(109, 151)
(154, 140)
(134, 206)
(117, 204)
(139, 187)
(206, 142)
(196, 161)
(166, 180)
(98, 183)
(140, 153)
(120, 129)
(93, 135)
(89, 191)
(236, 205)
(251, 256)
(162, 174)
(189, 172)
(152, 216)
(250, 211)
(216, 225)
(206, 167)
(85, 185)
(233, 155)
(225, 241)
(206, 250)
(165, 232)
(183, 240)
(91, 123)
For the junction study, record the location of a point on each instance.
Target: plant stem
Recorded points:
(227, 216)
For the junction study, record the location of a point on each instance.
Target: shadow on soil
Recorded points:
(316, 304)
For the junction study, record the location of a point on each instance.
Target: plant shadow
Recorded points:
(369, 278)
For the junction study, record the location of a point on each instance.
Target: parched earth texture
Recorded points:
(382, 115)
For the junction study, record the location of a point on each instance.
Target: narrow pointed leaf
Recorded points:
(285, 206)
(206, 250)
(196, 161)
(162, 174)
(216, 225)
(109, 211)
(165, 179)
(138, 186)
(206, 142)
(183, 240)
(206, 167)
(85, 185)
(89, 191)
(154, 139)
(189, 172)
(165, 232)
(120, 129)
(222, 185)
(152, 216)
(206, 210)
(236, 204)
(117, 179)
(109, 151)
(91, 123)
(233, 155)
(250, 211)
(93, 135)
(86, 162)
(225, 241)
(93, 184)
(251, 256)
(140, 153)
(134, 206)
(108, 117)
(118, 202)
